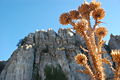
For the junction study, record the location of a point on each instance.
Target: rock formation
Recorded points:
(114, 42)
(47, 55)
(2, 65)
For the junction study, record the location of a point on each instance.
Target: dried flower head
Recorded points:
(82, 25)
(95, 5)
(116, 55)
(81, 59)
(74, 14)
(98, 14)
(101, 32)
(65, 18)
(84, 8)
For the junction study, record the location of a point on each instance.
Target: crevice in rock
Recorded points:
(2, 65)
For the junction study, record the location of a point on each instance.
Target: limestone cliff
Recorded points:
(2, 65)
(47, 55)
(114, 42)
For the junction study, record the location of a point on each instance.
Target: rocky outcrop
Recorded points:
(2, 65)
(47, 55)
(114, 42)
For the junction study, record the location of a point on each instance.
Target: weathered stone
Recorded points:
(2, 65)
(114, 42)
(48, 48)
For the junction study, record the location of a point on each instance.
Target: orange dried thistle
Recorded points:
(81, 59)
(116, 55)
(84, 8)
(94, 5)
(101, 32)
(81, 26)
(98, 14)
(65, 18)
(74, 14)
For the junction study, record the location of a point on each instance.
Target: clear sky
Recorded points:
(20, 17)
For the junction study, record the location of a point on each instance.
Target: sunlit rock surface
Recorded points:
(114, 41)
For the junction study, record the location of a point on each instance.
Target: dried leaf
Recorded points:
(84, 49)
(102, 52)
(83, 71)
(105, 60)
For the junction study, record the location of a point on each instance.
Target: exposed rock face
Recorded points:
(114, 42)
(19, 66)
(46, 55)
(2, 65)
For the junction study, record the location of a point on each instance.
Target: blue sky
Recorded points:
(20, 17)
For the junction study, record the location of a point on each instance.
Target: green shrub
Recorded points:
(53, 73)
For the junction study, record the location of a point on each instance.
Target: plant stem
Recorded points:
(117, 72)
(96, 58)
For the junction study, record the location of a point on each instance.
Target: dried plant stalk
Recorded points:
(116, 58)
(80, 20)
(117, 72)
(96, 58)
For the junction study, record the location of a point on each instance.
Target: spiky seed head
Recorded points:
(65, 18)
(98, 14)
(116, 55)
(82, 25)
(74, 14)
(101, 32)
(84, 8)
(94, 5)
(81, 59)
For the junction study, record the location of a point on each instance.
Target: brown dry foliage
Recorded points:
(80, 20)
